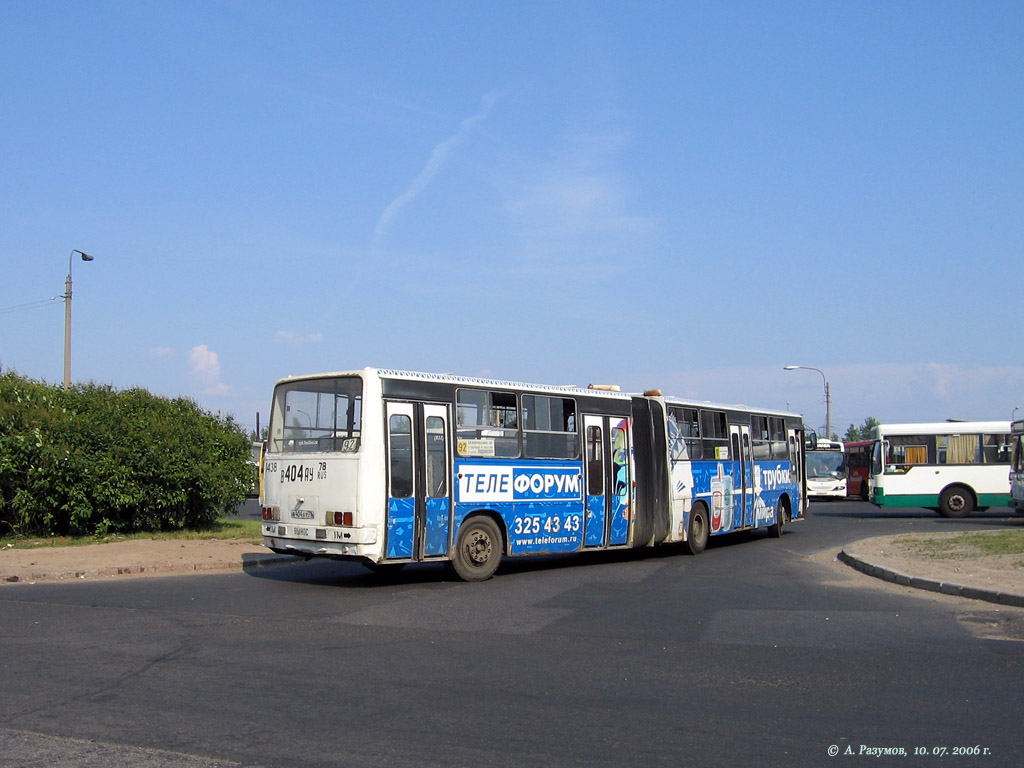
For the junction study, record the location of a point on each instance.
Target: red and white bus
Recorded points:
(1017, 466)
(858, 467)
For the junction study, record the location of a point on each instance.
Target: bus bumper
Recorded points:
(319, 541)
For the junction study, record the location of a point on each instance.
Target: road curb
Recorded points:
(932, 585)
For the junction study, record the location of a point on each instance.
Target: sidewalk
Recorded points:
(135, 557)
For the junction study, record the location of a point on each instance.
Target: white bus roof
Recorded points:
(672, 400)
(450, 378)
(943, 428)
(824, 444)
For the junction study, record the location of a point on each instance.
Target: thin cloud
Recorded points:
(293, 339)
(441, 154)
(205, 366)
(579, 203)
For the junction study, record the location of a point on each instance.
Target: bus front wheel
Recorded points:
(956, 501)
(697, 531)
(478, 549)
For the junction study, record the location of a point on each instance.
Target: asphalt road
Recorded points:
(758, 652)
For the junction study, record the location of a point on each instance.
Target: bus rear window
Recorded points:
(318, 415)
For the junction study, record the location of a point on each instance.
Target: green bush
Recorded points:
(95, 460)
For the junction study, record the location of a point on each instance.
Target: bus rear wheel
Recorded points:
(781, 517)
(956, 501)
(697, 531)
(478, 549)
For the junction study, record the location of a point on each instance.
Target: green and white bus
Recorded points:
(953, 467)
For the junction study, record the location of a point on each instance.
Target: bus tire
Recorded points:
(956, 501)
(697, 531)
(478, 549)
(781, 514)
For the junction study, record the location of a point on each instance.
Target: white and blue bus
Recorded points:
(393, 467)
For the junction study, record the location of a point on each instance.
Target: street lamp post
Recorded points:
(67, 315)
(828, 396)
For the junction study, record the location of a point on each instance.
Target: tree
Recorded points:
(862, 432)
(95, 460)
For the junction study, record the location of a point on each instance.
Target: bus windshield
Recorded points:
(826, 464)
(317, 415)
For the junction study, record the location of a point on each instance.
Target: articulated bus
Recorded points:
(953, 467)
(1017, 467)
(858, 467)
(393, 467)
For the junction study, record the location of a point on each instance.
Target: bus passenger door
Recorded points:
(419, 505)
(597, 518)
(436, 479)
(743, 473)
(796, 463)
(621, 481)
(609, 482)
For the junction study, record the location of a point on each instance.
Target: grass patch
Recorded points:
(966, 545)
(223, 529)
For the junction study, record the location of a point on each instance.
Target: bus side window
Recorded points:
(437, 476)
(595, 462)
(400, 446)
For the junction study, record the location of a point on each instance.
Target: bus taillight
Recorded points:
(271, 513)
(342, 518)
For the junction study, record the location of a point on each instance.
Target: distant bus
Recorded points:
(1017, 466)
(826, 470)
(953, 467)
(392, 467)
(858, 467)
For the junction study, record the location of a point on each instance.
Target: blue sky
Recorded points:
(687, 196)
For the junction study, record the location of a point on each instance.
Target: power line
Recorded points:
(30, 305)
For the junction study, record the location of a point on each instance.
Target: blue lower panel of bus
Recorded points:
(737, 502)
(438, 515)
(402, 532)
(601, 533)
(541, 502)
(401, 526)
(595, 521)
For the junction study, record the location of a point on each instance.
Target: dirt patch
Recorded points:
(135, 557)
